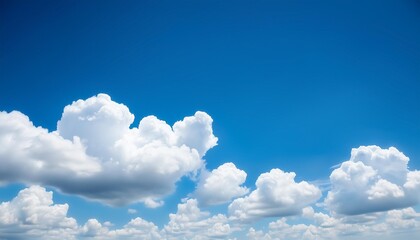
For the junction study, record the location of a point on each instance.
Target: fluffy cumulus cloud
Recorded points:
(95, 154)
(373, 180)
(221, 185)
(189, 222)
(46, 156)
(33, 215)
(137, 228)
(277, 194)
(196, 132)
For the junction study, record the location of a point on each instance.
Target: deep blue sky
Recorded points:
(289, 84)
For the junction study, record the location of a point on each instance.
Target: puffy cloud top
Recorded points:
(277, 194)
(221, 185)
(196, 132)
(98, 121)
(31, 214)
(374, 179)
(189, 222)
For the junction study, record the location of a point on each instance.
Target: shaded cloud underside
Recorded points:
(95, 154)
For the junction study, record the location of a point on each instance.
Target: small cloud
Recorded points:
(151, 203)
(277, 195)
(132, 211)
(221, 185)
(108, 224)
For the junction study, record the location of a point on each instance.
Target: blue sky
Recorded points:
(290, 85)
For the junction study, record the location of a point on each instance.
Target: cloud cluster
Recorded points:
(221, 185)
(403, 223)
(137, 228)
(277, 194)
(95, 154)
(373, 180)
(189, 222)
(32, 214)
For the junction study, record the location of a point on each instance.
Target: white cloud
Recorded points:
(280, 229)
(382, 189)
(98, 121)
(374, 179)
(43, 154)
(257, 235)
(95, 154)
(132, 211)
(406, 218)
(196, 132)
(413, 180)
(150, 203)
(191, 223)
(277, 194)
(221, 185)
(92, 229)
(386, 225)
(33, 215)
(137, 228)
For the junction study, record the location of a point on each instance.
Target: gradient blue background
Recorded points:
(290, 84)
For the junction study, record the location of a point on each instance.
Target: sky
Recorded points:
(210, 119)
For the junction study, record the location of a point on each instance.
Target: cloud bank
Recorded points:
(32, 214)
